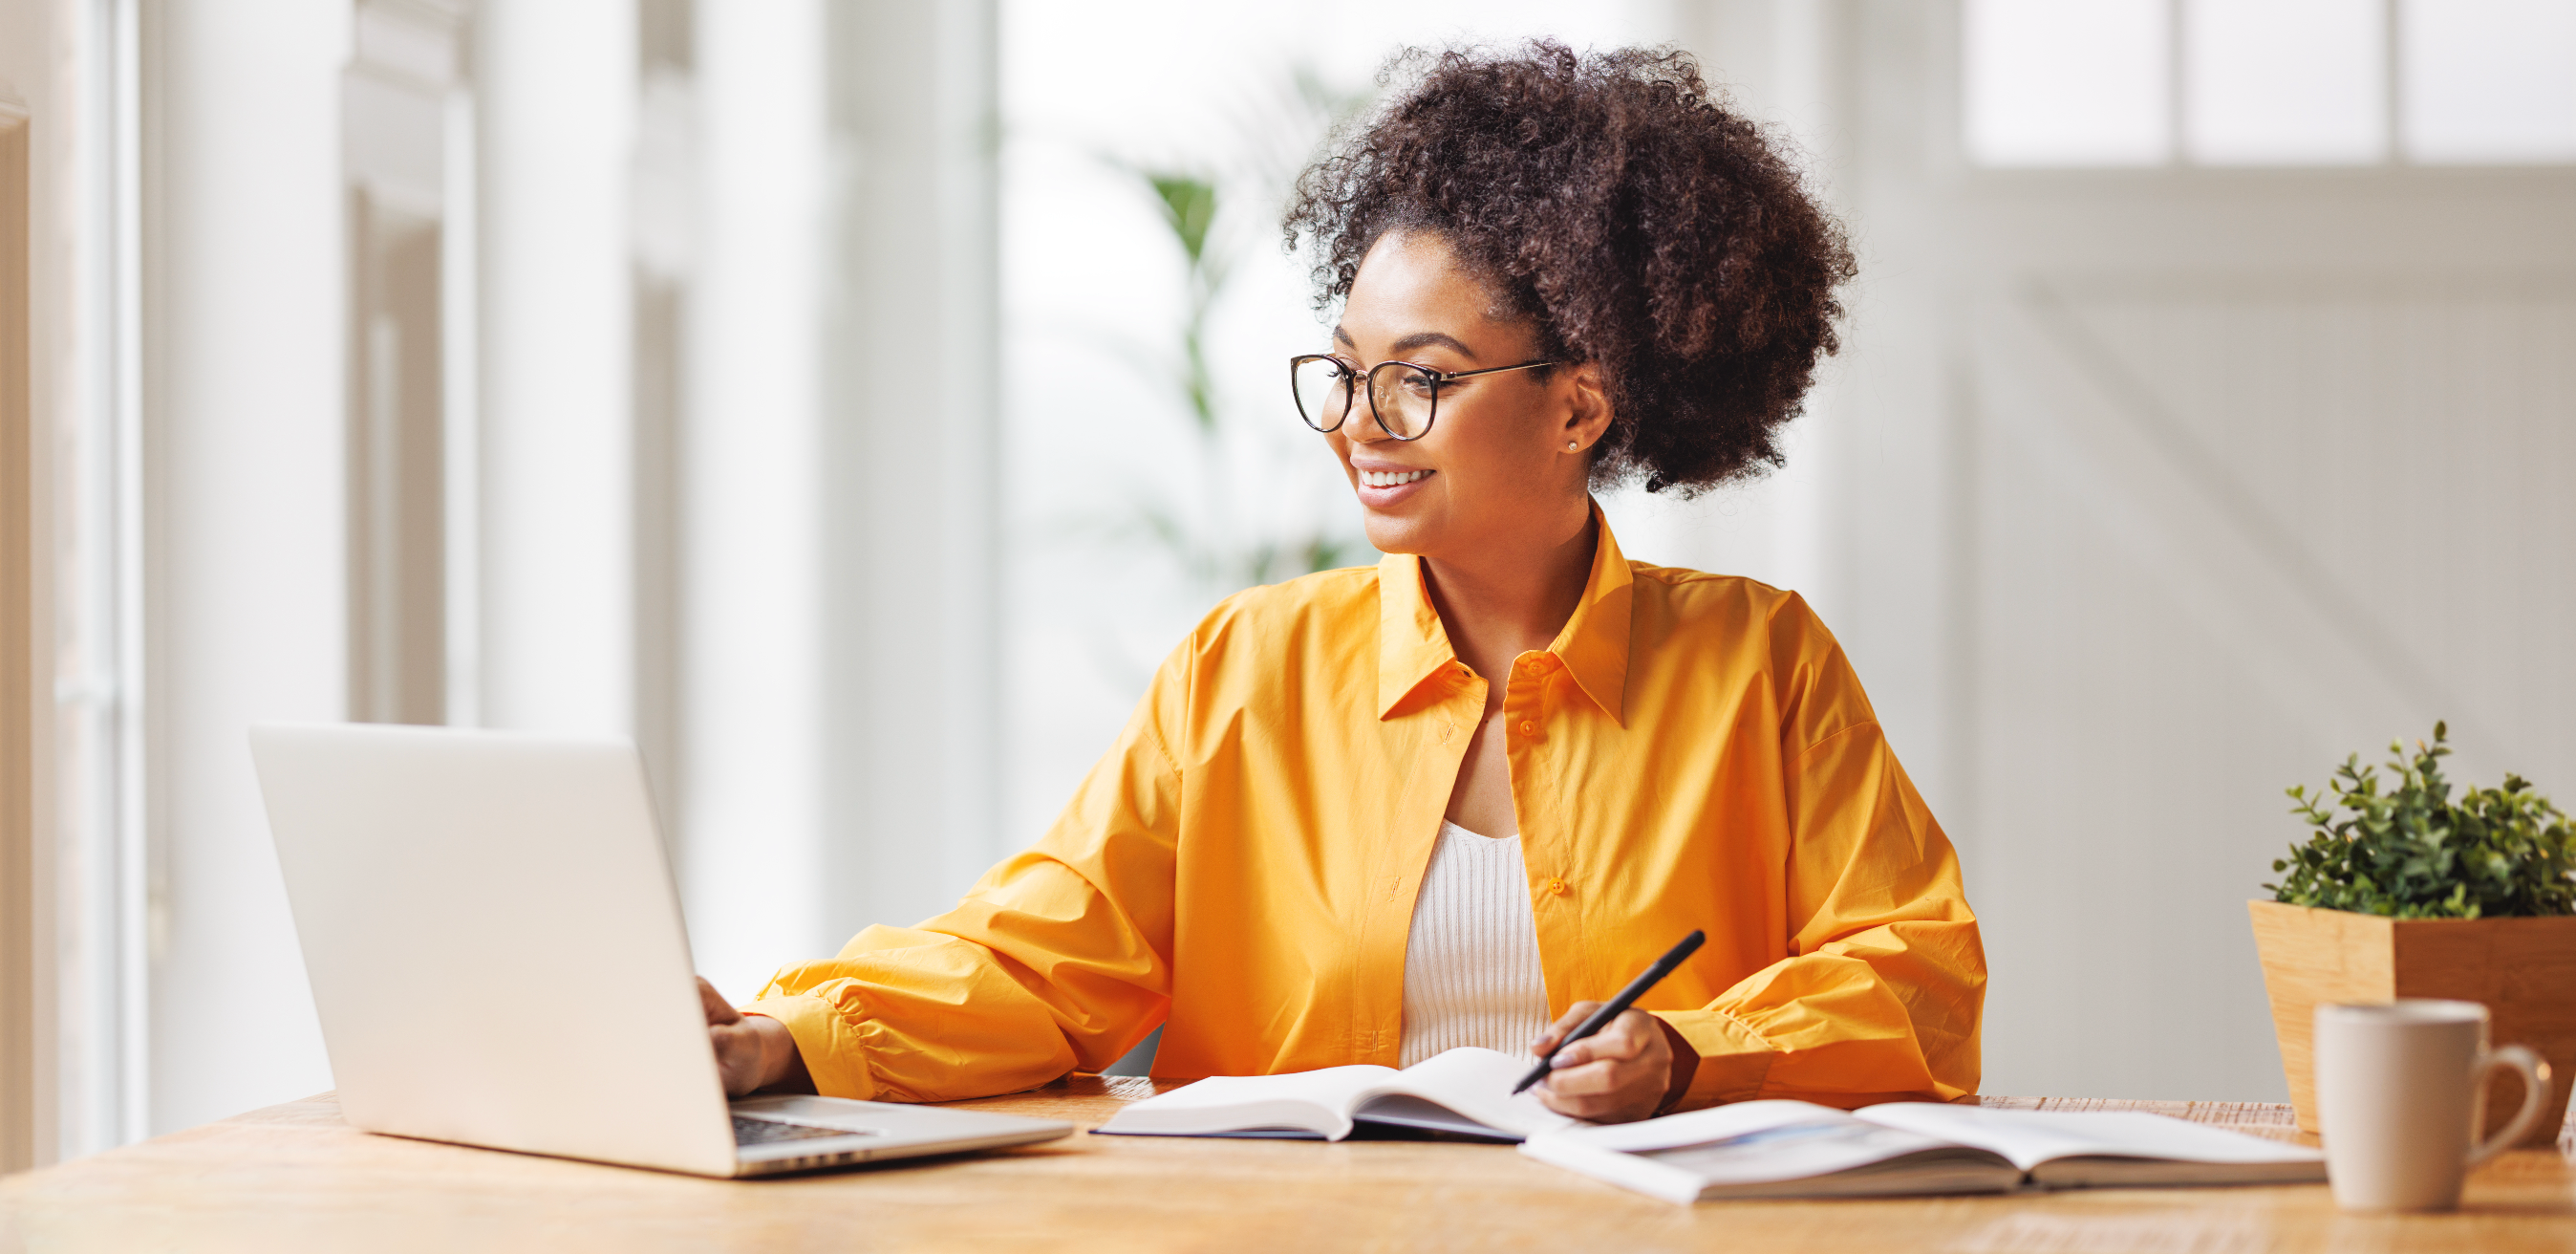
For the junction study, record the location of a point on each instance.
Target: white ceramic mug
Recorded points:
(2400, 1091)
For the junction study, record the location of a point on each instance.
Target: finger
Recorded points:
(1556, 1032)
(1589, 1079)
(1620, 1074)
(1622, 1040)
(1593, 1109)
(1572, 1107)
(1609, 1075)
(1607, 1090)
(1601, 1091)
(719, 1011)
(728, 1059)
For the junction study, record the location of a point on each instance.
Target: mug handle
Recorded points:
(2535, 1090)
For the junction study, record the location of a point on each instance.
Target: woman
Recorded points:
(1373, 813)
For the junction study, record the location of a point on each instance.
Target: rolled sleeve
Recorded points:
(1733, 1059)
(830, 1045)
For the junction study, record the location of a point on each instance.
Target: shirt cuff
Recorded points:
(834, 1055)
(1733, 1062)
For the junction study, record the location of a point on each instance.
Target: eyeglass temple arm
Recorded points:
(1446, 375)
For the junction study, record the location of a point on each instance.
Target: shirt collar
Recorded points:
(1593, 646)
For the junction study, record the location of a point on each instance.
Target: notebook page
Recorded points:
(1700, 1127)
(1771, 1149)
(2032, 1137)
(1210, 1105)
(1808, 1150)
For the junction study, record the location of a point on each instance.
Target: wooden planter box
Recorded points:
(2523, 970)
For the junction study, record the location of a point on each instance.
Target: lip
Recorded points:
(1382, 498)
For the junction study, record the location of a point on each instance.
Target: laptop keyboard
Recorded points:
(750, 1131)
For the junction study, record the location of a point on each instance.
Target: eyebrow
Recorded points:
(1419, 339)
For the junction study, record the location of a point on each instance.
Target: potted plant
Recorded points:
(2403, 891)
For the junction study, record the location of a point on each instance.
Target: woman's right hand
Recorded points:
(753, 1052)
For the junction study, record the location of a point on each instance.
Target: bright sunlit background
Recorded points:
(853, 401)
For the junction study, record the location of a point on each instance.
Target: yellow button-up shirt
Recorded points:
(1692, 751)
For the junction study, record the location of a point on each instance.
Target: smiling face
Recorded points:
(1495, 475)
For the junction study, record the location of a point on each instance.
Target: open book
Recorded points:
(1796, 1149)
(1465, 1091)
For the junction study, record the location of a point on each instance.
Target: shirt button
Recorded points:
(1557, 888)
(1528, 728)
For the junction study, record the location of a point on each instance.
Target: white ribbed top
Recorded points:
(1471, 973)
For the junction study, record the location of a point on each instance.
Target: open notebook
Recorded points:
(1463, 1091)
(1796, 1149)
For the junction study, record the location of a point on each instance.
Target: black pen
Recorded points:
(1618, 1005)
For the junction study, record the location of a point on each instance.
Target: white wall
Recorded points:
(751, 496)
(243, 277)
(556, 85)
(909, 462)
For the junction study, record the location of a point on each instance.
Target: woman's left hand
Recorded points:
(1624, 1071)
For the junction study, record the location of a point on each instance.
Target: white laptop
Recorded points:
(497, 955)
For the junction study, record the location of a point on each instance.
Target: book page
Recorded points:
(1317, 1101)
(2032, 1137)
(1706, 1127)
(1476, 1083)
(1772, 1149)
(1810, 1151)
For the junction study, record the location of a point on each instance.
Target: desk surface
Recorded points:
(296, 1177)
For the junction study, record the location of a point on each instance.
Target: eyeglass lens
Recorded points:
(1404, 396)
(1323, 392)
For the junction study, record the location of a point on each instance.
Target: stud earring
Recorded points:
(1571, 445)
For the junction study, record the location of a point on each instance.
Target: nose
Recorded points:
(1362, 426)
(1359, 427)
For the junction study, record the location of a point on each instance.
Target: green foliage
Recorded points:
(1227, 539)
(1189, 208)
(2410, 852)
(1188, 201)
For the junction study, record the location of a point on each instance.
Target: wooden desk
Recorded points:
(295, 1177)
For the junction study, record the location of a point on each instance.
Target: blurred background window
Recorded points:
(2109, 83)
(2489, 81)
(2284, 82)
(2053, 83)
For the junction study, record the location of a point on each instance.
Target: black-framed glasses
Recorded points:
(1403, 397)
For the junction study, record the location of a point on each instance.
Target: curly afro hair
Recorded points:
(1641, 224)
